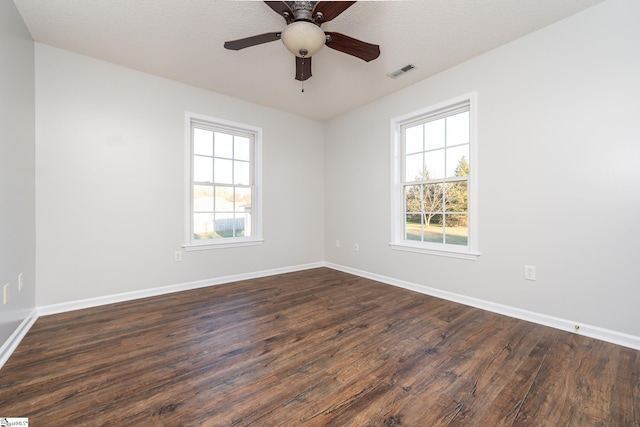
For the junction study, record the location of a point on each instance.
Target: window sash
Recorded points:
(401, 182)
(224, 210)
(438, 114)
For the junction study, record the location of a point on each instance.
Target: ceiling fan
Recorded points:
(303, 36)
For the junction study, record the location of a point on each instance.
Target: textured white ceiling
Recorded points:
(183, 40)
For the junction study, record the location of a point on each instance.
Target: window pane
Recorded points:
(243, 200)
(224, 224)
(202, 142)
(413, 227)
(433, 229)
(202, 169)
(432, 196)
(223, 145)
(224, 199)
(413, 139)
(458, 161)
(202, 198)
(434, 134)
(239, 226)
(203, 226)
(457, 229)
(242, 148)
(414, 167)
(223, 171)
(247, 223)
(434, 164)
(456, 196)
(412, 198)
(458, 129)
(241, 173)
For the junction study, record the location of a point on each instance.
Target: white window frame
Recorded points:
(398, 241)
(192, 244)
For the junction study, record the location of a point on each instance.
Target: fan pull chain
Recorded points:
(303, 52)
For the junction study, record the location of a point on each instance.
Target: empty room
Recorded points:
(372, 213)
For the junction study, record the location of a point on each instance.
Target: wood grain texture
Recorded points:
(318, 347)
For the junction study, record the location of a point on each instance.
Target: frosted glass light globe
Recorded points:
(300, 37)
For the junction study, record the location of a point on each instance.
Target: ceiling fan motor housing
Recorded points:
(302, 10)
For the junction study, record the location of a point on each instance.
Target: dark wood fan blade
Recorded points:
(280, 8)
(303, 68)
(350, 46)
(331, 9)
(252, 41)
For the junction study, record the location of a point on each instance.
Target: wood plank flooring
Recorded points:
(312, 348)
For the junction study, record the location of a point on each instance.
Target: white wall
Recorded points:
(559, 131)
(110, 181)
(17, 172)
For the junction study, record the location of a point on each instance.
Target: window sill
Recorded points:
(466, 254)
(222, 245)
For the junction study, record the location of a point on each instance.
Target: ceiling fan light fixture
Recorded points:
(303, 39)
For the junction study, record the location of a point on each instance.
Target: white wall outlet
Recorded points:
(177, 257)
(5, 293)
(530, 272)
(356, 246)
(337, 243)
(20, 282)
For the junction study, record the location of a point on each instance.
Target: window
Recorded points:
(434, 183)
(223, 193)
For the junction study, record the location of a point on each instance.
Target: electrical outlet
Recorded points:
(356, 246)
(20, 282)
(177, 257)
(530, 272)
(337, 243)
(5, 293)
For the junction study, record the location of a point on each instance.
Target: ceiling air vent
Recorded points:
(401, 71)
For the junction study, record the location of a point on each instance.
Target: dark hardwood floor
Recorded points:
(317, 347)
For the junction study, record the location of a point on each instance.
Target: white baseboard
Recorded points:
(12, 343)
(144, 293)
(602, 334)
(563, 324)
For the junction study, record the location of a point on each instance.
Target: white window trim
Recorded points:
(254, 240)
(397, 196)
